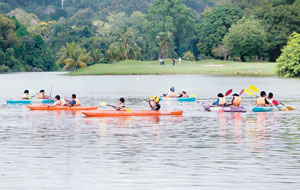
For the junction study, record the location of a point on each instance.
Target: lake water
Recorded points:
(200, 150)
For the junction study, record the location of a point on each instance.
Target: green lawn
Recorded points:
(207, 67)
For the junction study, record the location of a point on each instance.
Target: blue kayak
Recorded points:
(268, 109)
(33, 101)
(186, 99)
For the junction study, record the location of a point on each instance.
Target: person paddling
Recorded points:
(26, 95)
(183, 94)
(172, 93)
(73, 102)
(154, 104)
(236, 100)
(271, 100)
(122, 106)
(221, 101)
(42, 95)
(262, 100)
(57, 101)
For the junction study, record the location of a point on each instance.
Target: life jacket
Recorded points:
(185, 95)
(237, 101)
(41, 96)
(222, 101)
(123, 105)
(77, 102)
(172, 94)
(26, 96)
(58, 102)
(261, 102)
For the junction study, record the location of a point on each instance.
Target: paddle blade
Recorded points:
(102, 104)
(242, 92)
(193, 96)
(228, 92)
(152, 97)
(254, 89)
(290, 108)
(247, 91)
(128, 110)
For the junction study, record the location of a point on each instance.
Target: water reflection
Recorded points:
(199, 150)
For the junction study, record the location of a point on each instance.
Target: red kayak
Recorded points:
(111, 113)
(52, 108)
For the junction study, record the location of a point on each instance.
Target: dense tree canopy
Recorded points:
(247, 38)
(35, 34)
(215, 25)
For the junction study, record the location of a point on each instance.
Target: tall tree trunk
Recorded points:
(243, 58)
(160, 51)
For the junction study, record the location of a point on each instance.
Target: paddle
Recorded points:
(256, 90)
(152, 97)
(253, 88)
(51, 90)
(103, 104)
(249, 92)
(288, 107)
(228, 92)
(242, 92)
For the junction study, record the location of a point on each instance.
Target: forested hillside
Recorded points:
(51, 34)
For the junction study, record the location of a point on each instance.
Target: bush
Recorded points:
(189, 56)
(289, 61)
(4, 69)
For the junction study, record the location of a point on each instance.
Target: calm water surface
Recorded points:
(200, 150)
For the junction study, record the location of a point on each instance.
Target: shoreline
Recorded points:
(206, 68)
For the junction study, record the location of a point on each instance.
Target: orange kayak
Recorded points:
(110, 113)
(45, 107)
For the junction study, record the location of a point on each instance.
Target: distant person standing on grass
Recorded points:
(160, 61)
(173, 61)
(179, 61)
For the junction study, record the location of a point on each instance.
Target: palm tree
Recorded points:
(96, 56)
(164, 41)
(126, 47)
(73, 57)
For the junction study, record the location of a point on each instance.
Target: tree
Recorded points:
(8, 36)
(215, 25)
(125, 48)
(170, 16)
(280, 19)
(72, 56)
(247, 38)
(289, 61)
(96, 56)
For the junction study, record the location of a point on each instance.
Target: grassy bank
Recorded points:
(207, 67)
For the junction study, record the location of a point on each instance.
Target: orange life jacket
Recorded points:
(237, 101)
(222, 101)
(41, 96)
(58, 102)
(261, 102)
(185, 95)
(77, 102)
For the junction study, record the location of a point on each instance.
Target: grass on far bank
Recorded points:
(207, 67)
